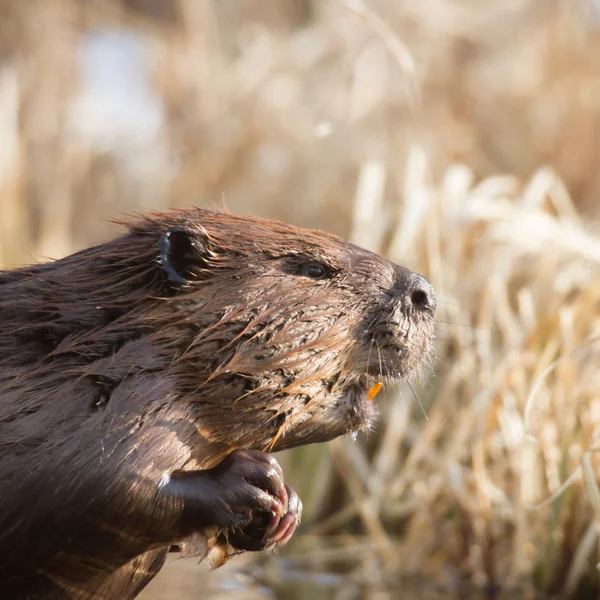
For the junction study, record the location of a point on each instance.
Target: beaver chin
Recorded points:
(360, 411)
(394, 364)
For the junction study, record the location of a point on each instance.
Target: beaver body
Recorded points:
(144, 382)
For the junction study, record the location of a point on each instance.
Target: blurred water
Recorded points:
(184, 579)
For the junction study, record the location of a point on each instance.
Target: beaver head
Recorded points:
(269, 335)
(281, 331)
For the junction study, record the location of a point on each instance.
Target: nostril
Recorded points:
(420, 299)
(414, 291)
(421, 294)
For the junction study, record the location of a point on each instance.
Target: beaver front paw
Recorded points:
(229, 496)
(269, 529)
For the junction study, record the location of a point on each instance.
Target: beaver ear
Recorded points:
(182, 251)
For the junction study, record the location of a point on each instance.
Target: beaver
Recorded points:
(144, 383)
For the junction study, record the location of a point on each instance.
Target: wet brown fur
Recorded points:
(112, 376)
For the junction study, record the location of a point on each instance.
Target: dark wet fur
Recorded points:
(111, 375)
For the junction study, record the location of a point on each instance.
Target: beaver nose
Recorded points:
(420, 293)
(416, 291)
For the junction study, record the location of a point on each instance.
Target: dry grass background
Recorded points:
(454, 136)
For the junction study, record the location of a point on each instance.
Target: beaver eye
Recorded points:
(315, 270)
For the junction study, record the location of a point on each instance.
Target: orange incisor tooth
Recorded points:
(374, 391)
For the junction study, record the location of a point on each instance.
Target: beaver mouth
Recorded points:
(367, 382)
(394, 349)
(390, 359)
(389, 363)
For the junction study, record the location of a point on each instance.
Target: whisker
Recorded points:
(448, 303)
(379, 355)
(418, 400)
(458, 324)
(454, 342)
(448, 367)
